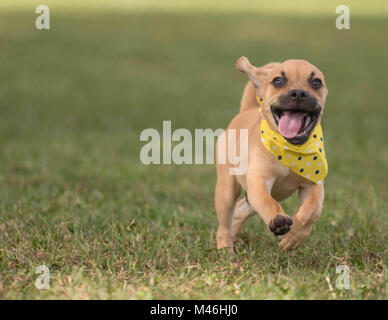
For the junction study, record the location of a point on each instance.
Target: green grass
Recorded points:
(74, 195)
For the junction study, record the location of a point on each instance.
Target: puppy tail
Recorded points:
(249, 100)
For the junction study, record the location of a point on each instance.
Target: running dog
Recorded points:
(281, 107)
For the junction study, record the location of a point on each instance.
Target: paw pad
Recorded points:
(280, 225)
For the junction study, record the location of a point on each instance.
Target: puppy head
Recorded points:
(293, 94)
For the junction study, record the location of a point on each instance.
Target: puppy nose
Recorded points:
(298, 94)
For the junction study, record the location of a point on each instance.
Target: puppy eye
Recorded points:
(316, 83)
(278, 82)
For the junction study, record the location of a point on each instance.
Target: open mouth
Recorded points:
(295, 125)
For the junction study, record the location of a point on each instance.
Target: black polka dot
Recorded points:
(262, 131)
(300, 158)
(301, 170)
(320, 150)
(279, 157)
(314, 135)
(321, 139)
(316, 172)
(315, 158)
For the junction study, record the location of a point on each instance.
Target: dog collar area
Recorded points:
(307, 160)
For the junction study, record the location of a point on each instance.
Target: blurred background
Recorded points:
(74, 99)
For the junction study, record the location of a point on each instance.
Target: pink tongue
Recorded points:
(290, 123)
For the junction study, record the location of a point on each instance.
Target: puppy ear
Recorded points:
(256, 75)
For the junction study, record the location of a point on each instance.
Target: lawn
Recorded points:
(75, 196)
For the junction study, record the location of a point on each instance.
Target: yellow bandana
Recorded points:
(307, 160)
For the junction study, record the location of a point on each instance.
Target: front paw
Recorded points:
(296, 237)
(280, 225)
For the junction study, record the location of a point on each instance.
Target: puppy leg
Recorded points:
(259, 195)
(227, 191)
(242, 212)
(309, 212)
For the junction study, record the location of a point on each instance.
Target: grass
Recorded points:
(74, 196)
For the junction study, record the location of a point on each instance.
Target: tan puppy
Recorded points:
(292, 87)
